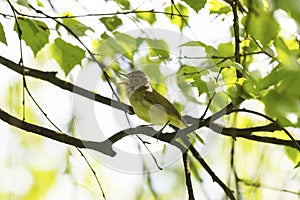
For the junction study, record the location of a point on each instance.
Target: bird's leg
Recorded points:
(161, 130)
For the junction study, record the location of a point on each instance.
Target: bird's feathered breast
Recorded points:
(146, 100)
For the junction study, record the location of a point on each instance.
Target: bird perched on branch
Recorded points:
(148, 104)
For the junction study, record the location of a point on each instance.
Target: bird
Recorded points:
(150, 105)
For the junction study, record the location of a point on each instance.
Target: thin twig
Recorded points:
(187, 172)
(21, 57)
(260, 185)
(99, 14)
(208, 104)
(221, 57)
(81, 153)
(214, 177)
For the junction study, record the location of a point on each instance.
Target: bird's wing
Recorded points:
(169, 108)
(155, 98)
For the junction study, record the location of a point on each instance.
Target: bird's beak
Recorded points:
(123, 82)
(126, 75)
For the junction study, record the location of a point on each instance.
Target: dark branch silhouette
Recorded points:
(51, 78)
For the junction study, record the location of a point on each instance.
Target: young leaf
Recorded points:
(195, 4)
(2, 35)
(287, 57)
(147, 16)
(127, 44)
(23, 3)
(182, 11)
(292, 153)
(121, 43)
(193, 75)
(158, 48)
(125, 4)
(111, 23)
(35, 33)
(217, 7)
(211, 51)
(77, 27)
(66, 55)
(226, 49)
(193, 44)
(200, 85)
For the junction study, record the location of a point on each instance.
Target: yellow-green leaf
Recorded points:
(179, 15)
(66, 55)
(147, 16)
(195, 4)
(77, 27)
(111, 23)
(35, 33)
(2, 35)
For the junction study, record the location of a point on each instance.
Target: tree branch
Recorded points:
(51, 78)
(297, 145)
(187, 172)
(233, 132)
(103, 147)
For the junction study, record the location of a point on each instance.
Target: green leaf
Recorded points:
(200, 85)
(298, 165)
(226, 49)
(291, 153)
(120, 43)
(39, 3)
(285, 81)
(147, 16)
(263, 26)
(193, 44)
(195, 4)
(180, 21)
(229, 75)
(111, 23)
(193, 75)
(218, 7)
(127, 44)
(108, 47)
(2, 35)
(66, 55)
(23, 3)
(77, 27)
(35, 33)
(188, 72)
(246, 89)
(211, 51)
(279, 106)
(287, 57)
(158, 48)
(104, 36)
(125, 4)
